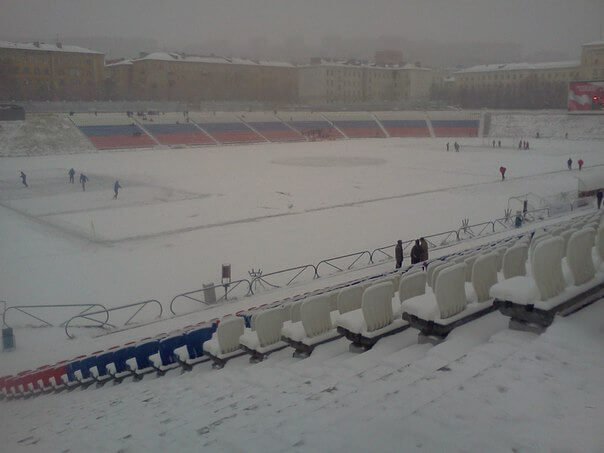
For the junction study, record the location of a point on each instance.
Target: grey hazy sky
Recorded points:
(559, 25)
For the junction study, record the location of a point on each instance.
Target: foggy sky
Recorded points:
(535, 25)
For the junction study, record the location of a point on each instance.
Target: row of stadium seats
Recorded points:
(529, 277)
(112, 131)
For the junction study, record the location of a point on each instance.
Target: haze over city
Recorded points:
(436, 32)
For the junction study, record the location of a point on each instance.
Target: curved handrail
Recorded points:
(469, 229)
(447, 235)
(388, 256)
(301, 269)
(142, 304)
(232, 286)
(83, 313)
(328, 261)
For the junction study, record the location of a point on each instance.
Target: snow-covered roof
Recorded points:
(42, 46)
(125, 62)
(521, 66)
(592, 180)
(352, 65)
(173, 56)
(593, 44)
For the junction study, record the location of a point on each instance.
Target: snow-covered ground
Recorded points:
(182, 213)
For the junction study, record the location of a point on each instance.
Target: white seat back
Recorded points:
(437, 271)
(315, 316)
(600, 242)
(566, 236)
(350, 298)
(411, 285)
(294, 311)
(377, 306)
(333, 300)
(450, 290)
(469, 264)
(514, 261)
(578, 255)
(268, 326)
(484, 275)
(546, 264)
(500, 254)
(431, 266)
(228, 332)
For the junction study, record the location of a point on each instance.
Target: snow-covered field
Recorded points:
(182, 213)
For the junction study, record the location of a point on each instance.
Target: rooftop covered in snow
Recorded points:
(45, 47)
(521, 66)
(177, 57)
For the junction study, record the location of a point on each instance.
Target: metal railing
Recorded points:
(228, 289)
(106, 323)
(330, 261)
(86, 313)
(261, 280)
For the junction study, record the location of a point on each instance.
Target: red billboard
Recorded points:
(586, 96)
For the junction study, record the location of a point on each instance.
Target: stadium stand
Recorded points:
(455, 124)
(271, 127)
(356, 124)
(311, 125)
(225, 128)
(112, 130)
(404, 124)
(174, 129)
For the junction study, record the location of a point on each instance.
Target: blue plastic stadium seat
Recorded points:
(194, 340)
(102, 360)
(85, 366)
(167, 346)
(142, 353)
(120, 356)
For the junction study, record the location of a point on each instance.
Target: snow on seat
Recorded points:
(566, 234)
(430, 270)
(537, 299)
(436, 314)
(411, 285)
(469, 266)
(374, 320)
(350, 298)
(314, 328)
(514, 261)
(224, 343)
(437, 270)
(266, 337)
(600, 243)
(484, 275)
(194, 341)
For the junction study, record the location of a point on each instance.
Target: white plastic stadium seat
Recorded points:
(566, 234)
(224, 343)
(484, 275)
(374, 320)
(431, 266)
(578, 255)
(469, 265)
(600, 242)
(411, 285)
(514, 261)
(267, 336)
(315, 327)
(437, 271)
(350, 298)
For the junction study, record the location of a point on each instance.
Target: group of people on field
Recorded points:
(569, 163)
(419, 252)
(456, 146)
(83, 180)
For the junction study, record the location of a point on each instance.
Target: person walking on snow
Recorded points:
(83, 180)
(71, 174)
(398, 253)
(416, 253)
(447, 146)
(580, 162)
(569, 163)
(493, 143)
(599, 195)
(24, 179)
(116, 188)
(502, 171)
(520, 144)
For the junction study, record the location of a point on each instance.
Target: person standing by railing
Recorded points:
(424, 249)
(398, 254)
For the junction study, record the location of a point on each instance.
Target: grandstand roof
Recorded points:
(41, 46)
(593, 44)
(173, 56)
(125, 62)
(521, 66)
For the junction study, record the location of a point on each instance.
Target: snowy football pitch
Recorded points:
(184, 212)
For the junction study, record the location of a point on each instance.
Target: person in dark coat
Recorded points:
(83, 180)
(520, 144)
(424, 245)
(24, 179)
(71, 174)
(116, 189)
(580, 162)
(599, 195)
(416, 253)
(502, 171)
(398, 253)
(569, 163)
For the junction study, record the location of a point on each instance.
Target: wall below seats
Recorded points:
(117, 136)
(231, 132)
(406, 128)
(179, 134)
(456, 128)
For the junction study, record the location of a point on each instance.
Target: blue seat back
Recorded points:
(120, 356)
(196, 338)
(167, 347)
(71, 369)
(85, 366)
(102, 360)
(144, 351)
